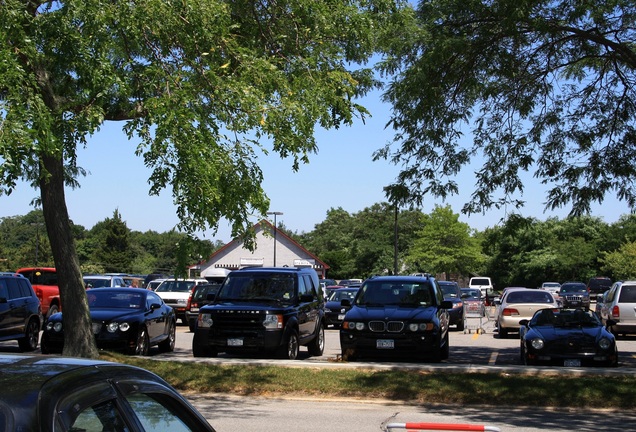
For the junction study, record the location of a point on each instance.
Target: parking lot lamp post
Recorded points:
(275, 213)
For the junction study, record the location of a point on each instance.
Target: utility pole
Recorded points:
(275, 213)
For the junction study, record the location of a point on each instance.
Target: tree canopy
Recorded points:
(199, 85)
(544, 87)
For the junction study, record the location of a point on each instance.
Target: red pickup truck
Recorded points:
(44, 281)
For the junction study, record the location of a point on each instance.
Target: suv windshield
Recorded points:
(175, 286)
(573, 288)
(262, 286)
(383, 293)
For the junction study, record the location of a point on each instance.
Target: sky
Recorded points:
(342, 174)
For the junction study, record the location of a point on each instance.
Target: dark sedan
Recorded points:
(397, 316)
(568, 337)
(42, 393)
(334, 309)
(124, 319)
(453, 293)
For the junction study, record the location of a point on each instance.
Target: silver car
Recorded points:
(620, 306)
(521, 303)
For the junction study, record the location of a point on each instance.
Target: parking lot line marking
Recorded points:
(493, 359)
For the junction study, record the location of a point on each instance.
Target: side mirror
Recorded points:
(446, 304)
(609, 323)
(306, 298)
(154, 306)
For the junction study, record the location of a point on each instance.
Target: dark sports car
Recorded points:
(568, 337)
(124, 319)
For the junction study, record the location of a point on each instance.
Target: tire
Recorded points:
(461, 323)
(141, 346)
(503, 333)
(167, 345)
(445, 351)
(290, 349)
(317, 346)
(53, 309)
(31, 336)
(192, 325)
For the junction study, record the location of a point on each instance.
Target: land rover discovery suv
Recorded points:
(271, 311)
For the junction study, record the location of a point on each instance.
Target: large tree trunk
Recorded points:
(78, 336)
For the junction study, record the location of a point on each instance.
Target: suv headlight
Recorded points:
(273, 322)
(421, 326)
(352, 325)
(204, 320)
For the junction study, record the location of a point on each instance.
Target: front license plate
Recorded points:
(572, 363)
(385, 344)
(194, 309)
(235, 342)
(341, 317)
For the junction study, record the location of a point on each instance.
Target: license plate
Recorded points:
(194, 309)
(572, 363)
(341, 317)
(385, 344)
(235, 342)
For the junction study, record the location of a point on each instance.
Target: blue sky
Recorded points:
(342, 174)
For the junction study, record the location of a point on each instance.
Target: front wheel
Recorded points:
(141, 346)
(167, 345)
(317, 346)
(31, 334)
(291, 348)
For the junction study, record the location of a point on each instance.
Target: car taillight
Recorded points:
(616, 312)
(510, 312)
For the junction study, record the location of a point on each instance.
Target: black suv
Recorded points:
(598, 285)
(20, 312)
(574, 295)
(397, 316)
(263, 310)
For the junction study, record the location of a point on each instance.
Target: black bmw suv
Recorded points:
(261, 310)
(397, 316)
(20, 312)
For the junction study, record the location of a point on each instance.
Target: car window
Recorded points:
(628, 294)
(529, 297)
(175, 286)
(4, 292)
(395, 293)
(156, 416)
(103, 416)
(13, 289)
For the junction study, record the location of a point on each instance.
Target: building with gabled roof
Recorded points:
(273, 248)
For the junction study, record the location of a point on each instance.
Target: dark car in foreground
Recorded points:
(334, 309)
(124, 319)
(397, 316)
(42, 393)
(453, 293)
(264, 311)
(20, 312)
(567, 337)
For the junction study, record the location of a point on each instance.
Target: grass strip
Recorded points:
(408, 386)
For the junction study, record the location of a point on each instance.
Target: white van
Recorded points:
(483, 283)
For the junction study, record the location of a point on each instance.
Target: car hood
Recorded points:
(551, 333)
(391, 313)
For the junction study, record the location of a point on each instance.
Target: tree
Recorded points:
(444, 245)
(621, 263)
(544, 87)
(114, 253)
(200, 84)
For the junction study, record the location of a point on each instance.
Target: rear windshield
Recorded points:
(40, 277)
(479, 281)
(529, 297)
(628, 294)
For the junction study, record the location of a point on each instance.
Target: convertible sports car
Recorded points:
(124, 319)
(568, 337)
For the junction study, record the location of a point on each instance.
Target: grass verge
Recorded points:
(398, 385)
